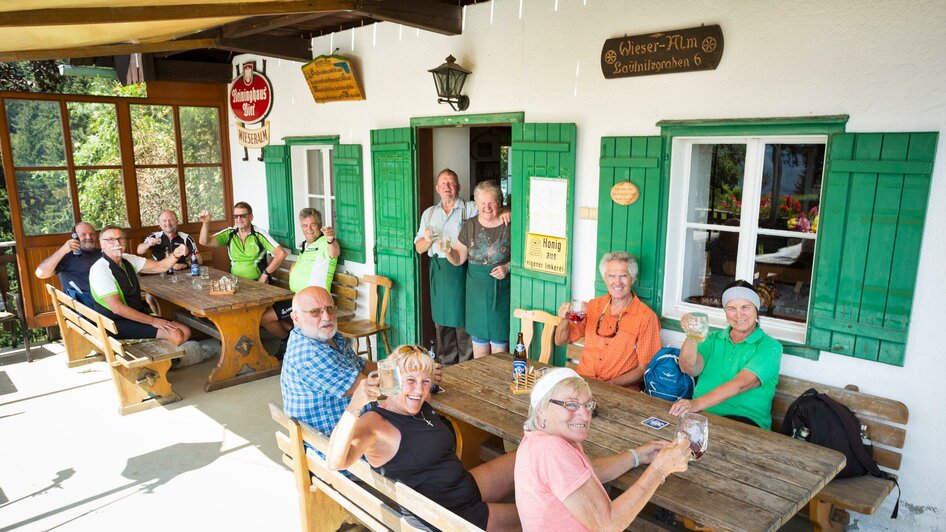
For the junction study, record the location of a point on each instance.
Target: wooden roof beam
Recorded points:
(278, 47)
(446, 19)
(254, 25)
(117, 14)
(108, 50)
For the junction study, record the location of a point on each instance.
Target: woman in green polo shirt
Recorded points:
(737, 367)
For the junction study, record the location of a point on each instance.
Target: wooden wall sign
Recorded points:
(625, 193)
(331, 79)
(665, 52)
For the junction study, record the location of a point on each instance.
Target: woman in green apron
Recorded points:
(483, 243)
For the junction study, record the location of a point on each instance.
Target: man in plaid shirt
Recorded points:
(320, 370)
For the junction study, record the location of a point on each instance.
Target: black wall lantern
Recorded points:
(449, 78)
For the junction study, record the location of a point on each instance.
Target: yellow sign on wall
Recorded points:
(331, 79)
(546, 254)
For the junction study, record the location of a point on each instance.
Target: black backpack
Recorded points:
(831, 424)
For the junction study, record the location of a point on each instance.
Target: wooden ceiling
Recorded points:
(204, 33)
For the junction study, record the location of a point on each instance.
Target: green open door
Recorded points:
(395, 221)
(539, 150)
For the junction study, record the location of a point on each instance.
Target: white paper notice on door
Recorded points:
(548, 206)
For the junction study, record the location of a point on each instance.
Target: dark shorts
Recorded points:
(132, 329)
(283, 309)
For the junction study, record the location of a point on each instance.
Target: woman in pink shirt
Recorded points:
(557, 486)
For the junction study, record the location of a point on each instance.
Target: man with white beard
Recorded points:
(320, 370)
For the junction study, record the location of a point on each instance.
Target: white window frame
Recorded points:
(673, 305)
(300, 172)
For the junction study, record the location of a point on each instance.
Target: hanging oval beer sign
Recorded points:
(625, 193)
(251, 95)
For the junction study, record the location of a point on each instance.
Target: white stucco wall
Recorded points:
(452, 150)
(879, 62)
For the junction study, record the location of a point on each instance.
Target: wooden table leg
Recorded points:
(469, 441)
(242, 357)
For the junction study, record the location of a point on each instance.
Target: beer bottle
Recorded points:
(519, 358)
(195, 266)
(430, 350)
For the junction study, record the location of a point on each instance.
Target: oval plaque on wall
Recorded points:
(625, 193)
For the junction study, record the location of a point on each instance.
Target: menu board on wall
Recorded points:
(548, 206)
(331, 79)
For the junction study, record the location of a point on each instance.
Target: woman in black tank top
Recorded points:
(405, 440)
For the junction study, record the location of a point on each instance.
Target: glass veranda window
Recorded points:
(744, 209)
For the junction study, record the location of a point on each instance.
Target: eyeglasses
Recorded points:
(317, 311)
(617, 325)
(240, 216)
(573, 406)
(121, 240)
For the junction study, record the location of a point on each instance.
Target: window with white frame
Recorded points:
(319, 188)
(744, 208)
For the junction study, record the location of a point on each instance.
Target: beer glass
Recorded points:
(577, 311)
(435, 232)
(390, 375)
(694, 427)
(172, 277)
(696, 326)
(205, 272)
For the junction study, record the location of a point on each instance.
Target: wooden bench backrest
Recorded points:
(365, 506)
(344, 285)
(882, 416)
(378, 282)
(93, 326)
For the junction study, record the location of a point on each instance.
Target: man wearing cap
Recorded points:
(738, 366)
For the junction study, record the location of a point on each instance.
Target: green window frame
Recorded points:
(348, 177)
(874, 196)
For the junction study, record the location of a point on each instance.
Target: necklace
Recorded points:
(423, 418)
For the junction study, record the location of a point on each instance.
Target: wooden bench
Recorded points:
(884, 419)
(328, 499)
(139, 368)
(344, 289)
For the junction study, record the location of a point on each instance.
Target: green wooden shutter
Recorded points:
(539, 150)
(869, 234)
(279, 194)
(395, 220)
(638, 228)
(349, 201)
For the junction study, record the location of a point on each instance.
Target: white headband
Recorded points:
(548, 381)
(741, 292)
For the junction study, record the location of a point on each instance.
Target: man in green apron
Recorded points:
(439, 226)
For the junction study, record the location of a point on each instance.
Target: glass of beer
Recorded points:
(390, 375)
(696, 326)
(205, 272)
(435, 232)
(445, 244)
(694, 427)
(577, 311)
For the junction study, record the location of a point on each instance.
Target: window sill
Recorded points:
(787, 332)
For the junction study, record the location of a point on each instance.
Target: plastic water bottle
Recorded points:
(195, 266)
(76, 252)
(430, 350)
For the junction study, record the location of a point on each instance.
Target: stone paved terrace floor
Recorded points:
(70, 462)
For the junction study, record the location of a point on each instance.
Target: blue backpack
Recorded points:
(665, 379)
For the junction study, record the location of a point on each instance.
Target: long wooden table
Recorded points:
(749, 478)
(237, 318)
